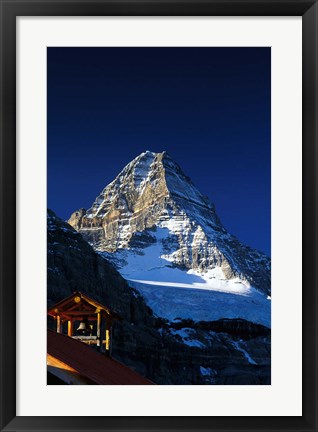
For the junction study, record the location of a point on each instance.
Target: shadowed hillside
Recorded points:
(166, 353)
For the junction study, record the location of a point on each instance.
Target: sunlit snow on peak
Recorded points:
(142, 169)
(173, 292)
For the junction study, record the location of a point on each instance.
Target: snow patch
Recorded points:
(246, 354)
(186, 335)
(206, 371)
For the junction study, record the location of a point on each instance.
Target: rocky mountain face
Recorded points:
(153, 202)
(179, 352)
(72, 264)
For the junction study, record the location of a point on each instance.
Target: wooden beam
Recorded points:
(78, 318)
(75, 306)
(78, 313)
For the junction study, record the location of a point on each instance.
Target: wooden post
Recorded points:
(98, 329)
(107, 339)
(58, 324)
(108, 336)
(70, 328)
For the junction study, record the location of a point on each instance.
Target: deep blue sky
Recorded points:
(208, 107)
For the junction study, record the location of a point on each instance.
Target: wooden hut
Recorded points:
(82, 321)
(83, 318)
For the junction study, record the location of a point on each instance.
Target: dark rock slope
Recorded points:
(229, 352)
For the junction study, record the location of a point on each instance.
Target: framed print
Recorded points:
(160, 159)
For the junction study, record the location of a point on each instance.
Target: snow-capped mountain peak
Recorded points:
(154, 224)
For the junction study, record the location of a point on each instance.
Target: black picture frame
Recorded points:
(10, 9)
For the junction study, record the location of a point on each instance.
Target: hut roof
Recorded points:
(79, 302)
(89, 363)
